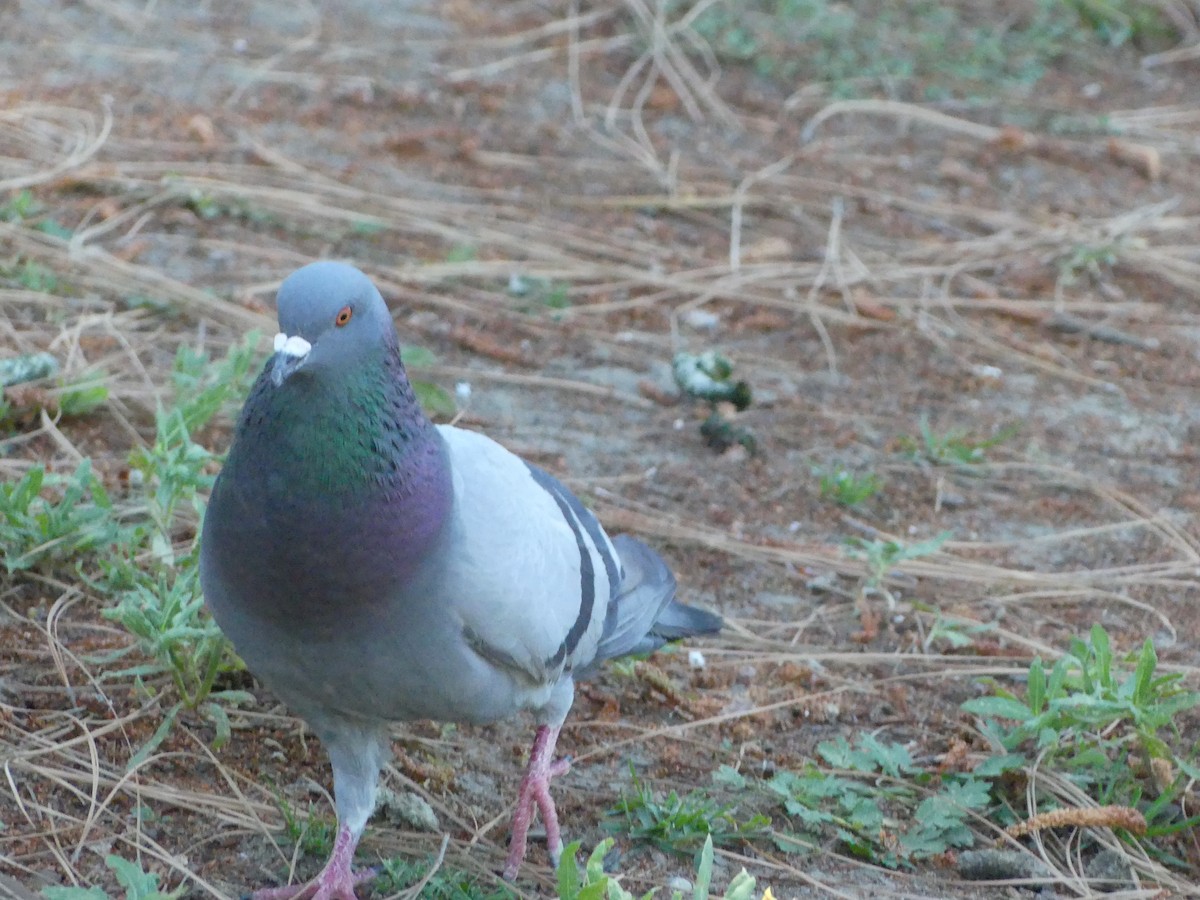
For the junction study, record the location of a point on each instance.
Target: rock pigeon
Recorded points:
(370, 566)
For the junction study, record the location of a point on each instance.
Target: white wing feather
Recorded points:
(514, 576)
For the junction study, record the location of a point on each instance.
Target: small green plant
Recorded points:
(1120, 21)
(203, 388)
(855, 47)
(46, 518)
(1093, 259)
(209, 206)
(542, 291)
(172, 471)
(164, 613)
(954, 447)
(872, 803)
(847, 488)
(880, 557)
(313, 834)
(81, 398)
(591, 882)
(138, 883)
(32, 276)
(1085, 693)
(399, 874)
(1089, 715)
(158, 588)
(19, 206)
(461, 253)
(955, 633)
(681, 824)
(23, 206)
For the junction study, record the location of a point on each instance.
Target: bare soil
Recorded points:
(878, 269)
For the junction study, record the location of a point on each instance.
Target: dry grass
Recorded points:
(813, 222)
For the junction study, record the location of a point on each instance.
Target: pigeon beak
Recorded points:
(290, 352)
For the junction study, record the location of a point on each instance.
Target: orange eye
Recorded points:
(343, 316)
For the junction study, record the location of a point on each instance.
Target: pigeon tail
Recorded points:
(644, 614)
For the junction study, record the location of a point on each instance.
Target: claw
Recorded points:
(336, 881)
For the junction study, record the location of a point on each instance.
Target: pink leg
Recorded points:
(535, 790)
(336, 881)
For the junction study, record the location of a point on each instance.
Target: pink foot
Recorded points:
(535, 790)
(336, 881)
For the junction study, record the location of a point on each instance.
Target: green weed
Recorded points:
(877, 804)
(1092, 259)
(399, 874)
(855, 47)
(27, 367)
(313, 834)
(158, 590)
(209, 206)
(23, 206)
(19, 207)
(461, 253)
(543, 292)
(1089, 715)
(31, 276)
(1117, 22)
(954, 447)
(47, 518)
(164, 613)
(83, 397)
(954, 633)
(681, 824)
(591, 882)
(847, 488)
(138, 883)
(204, 388)
(880, 557)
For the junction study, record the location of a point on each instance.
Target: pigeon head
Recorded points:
(331, 317)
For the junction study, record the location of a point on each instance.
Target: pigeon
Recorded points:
(370, 566)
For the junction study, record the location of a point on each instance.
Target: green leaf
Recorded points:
(704, 871)
(216, 714)
(595, 861)
(1036, 692)
(569, 879)
(80, 399)
(730, 777)
(74, 893)
(160, 734)
(1103, 652)
(999, 707)
(741, 887)
(1143, 676)
(993, 766)
(1058, 678)
(138, 884)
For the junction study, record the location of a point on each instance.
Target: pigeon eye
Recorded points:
(343, 316)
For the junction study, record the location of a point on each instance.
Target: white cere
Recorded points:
(291, 346)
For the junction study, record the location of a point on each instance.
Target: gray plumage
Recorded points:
(372, 567)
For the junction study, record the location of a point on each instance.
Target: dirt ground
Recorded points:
(555, 222)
